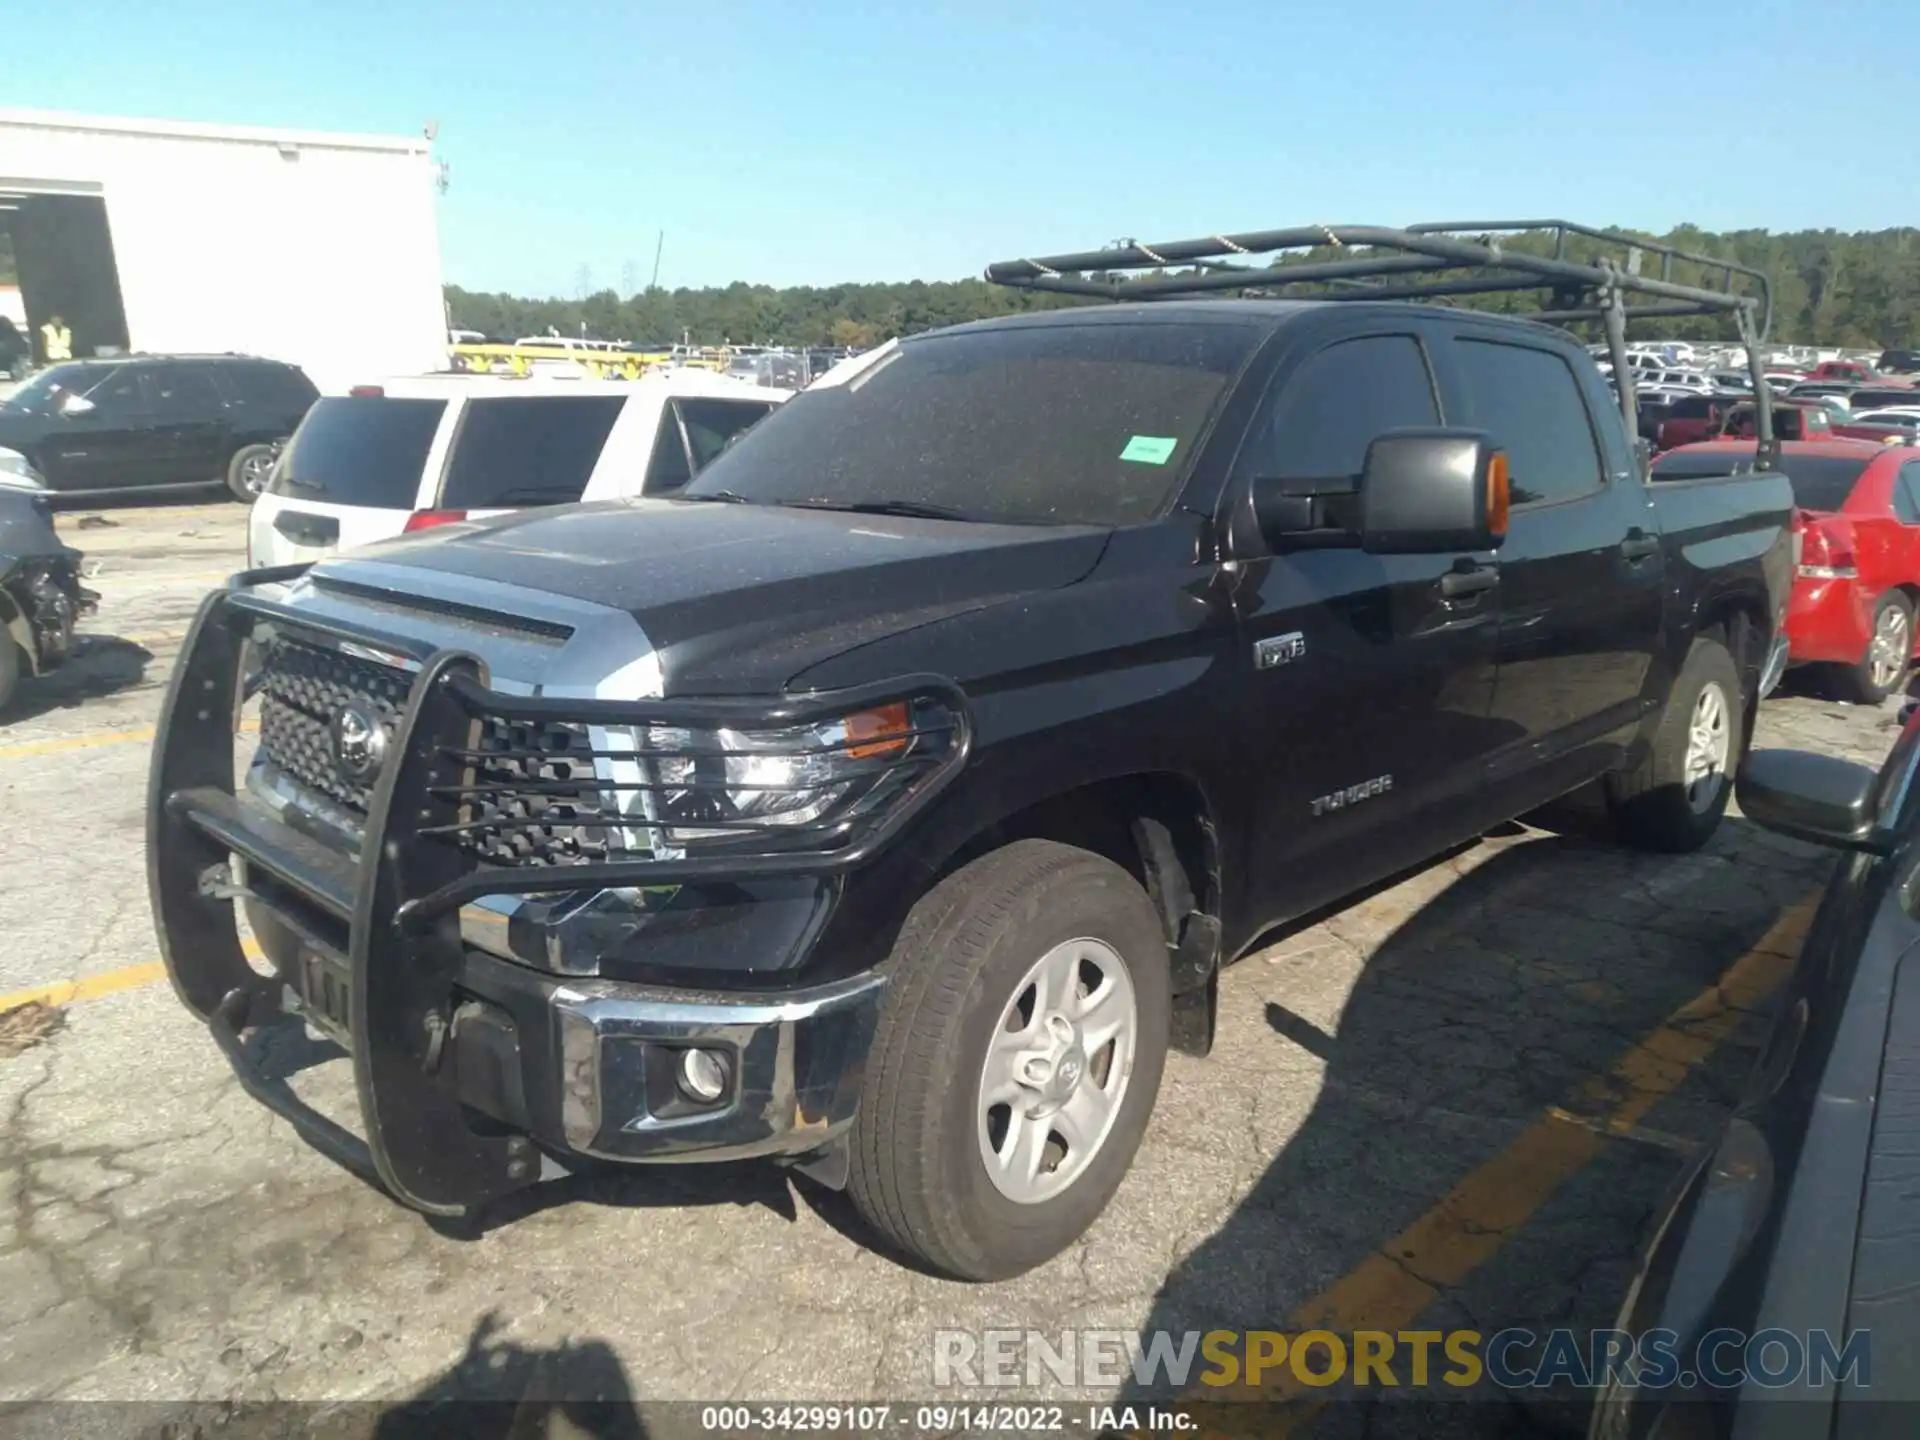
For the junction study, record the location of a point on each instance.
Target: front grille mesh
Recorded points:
(533, 781)
(302, 688)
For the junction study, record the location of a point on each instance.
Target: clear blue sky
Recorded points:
(827, 140)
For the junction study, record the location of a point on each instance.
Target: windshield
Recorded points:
(359, 451)
(1058, 424)
(1820, 482)
(42, 394)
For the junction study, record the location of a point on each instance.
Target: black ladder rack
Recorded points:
(1589, 275)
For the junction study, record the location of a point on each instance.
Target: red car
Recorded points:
(1858, 584)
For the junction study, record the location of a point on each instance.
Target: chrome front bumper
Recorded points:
(597, 1059)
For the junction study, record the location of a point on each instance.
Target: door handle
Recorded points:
(1639, 545)
(1456, 583)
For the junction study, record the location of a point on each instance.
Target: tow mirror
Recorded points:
(1424, 491)
(1419, 492)
(1821, 798)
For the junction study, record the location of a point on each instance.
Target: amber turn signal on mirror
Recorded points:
(1499, 493)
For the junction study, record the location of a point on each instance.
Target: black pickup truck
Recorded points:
(887, 802)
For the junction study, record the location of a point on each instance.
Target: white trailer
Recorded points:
(160, 236)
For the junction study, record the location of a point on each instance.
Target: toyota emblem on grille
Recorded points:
(359, 744)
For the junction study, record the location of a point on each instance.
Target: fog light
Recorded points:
(703, 1075)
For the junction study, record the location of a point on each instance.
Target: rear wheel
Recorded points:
(1883, 669)
(247, 472)
(1017, 1060)
(1674, 800)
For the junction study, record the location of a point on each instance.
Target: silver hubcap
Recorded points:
(1057, 1070)
(1707, 748)
(1890, 649)
(253, 474)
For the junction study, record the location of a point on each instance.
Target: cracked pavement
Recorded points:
(165, 1239)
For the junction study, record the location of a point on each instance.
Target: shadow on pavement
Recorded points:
(1501, 998)
(98, 666)
(502, 1391)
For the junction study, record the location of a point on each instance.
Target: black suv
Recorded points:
(150, 422)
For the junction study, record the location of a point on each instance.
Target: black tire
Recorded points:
(918, 1174)
(1652, 806)
(1856, 683)
(13, 667)
(247, 472)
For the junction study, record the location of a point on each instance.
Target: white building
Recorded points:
(321, 249)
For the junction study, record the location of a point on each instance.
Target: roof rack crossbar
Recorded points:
(1419, 249)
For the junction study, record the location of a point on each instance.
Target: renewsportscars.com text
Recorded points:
(1514, 1359)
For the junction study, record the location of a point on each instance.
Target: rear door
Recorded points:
(1368, 683)
(352, 474)
(1581, 583)
(190, 422)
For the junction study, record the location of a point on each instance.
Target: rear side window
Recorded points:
(527, 450)
(270, 387)
(359, 451)
(1338, 402)
(711, 425)
(1906, 494)
(1529, 401)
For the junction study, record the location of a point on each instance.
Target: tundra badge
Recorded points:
(1353, 794)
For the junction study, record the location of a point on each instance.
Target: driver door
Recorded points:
(1369, 680)
(104, 448)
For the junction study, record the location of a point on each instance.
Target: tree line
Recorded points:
(1829, 288)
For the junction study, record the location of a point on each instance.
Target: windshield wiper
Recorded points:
(912, 509)
(725, 497)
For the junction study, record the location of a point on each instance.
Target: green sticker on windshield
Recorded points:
(1149, 449)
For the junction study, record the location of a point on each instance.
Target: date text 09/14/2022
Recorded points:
(944, 1418)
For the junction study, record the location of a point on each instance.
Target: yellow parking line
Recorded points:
(60, 744)
(92, 987)
(1393, 1286)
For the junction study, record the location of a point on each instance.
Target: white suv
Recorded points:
(431, 449)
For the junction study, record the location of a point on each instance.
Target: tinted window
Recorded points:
(1820, 482)
(1339, 400)
(1874, 399)
(1691, 407)
(359, 451)
(1906, 494)
(270, 387)
(182, 389)
(1044, 424)
(531, 450)
(1530, 403)
(668, 470)
(119, 392)
(42, 394)
(711, 425)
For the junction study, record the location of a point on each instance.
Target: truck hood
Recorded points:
(739, 598)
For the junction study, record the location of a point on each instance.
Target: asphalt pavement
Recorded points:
(1453, 1103)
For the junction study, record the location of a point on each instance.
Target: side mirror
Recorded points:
(75, 406)
(1427, 491)
(1821, 798)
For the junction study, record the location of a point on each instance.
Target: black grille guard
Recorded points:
(402, 951)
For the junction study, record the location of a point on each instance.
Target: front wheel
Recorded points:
(1883, 669)
(1674, 799)
(248, 470)
(1017, 1060)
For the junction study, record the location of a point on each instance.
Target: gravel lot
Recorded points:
(1364, 1148)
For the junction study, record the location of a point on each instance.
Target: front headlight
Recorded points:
(16, 473)
(715, 784)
